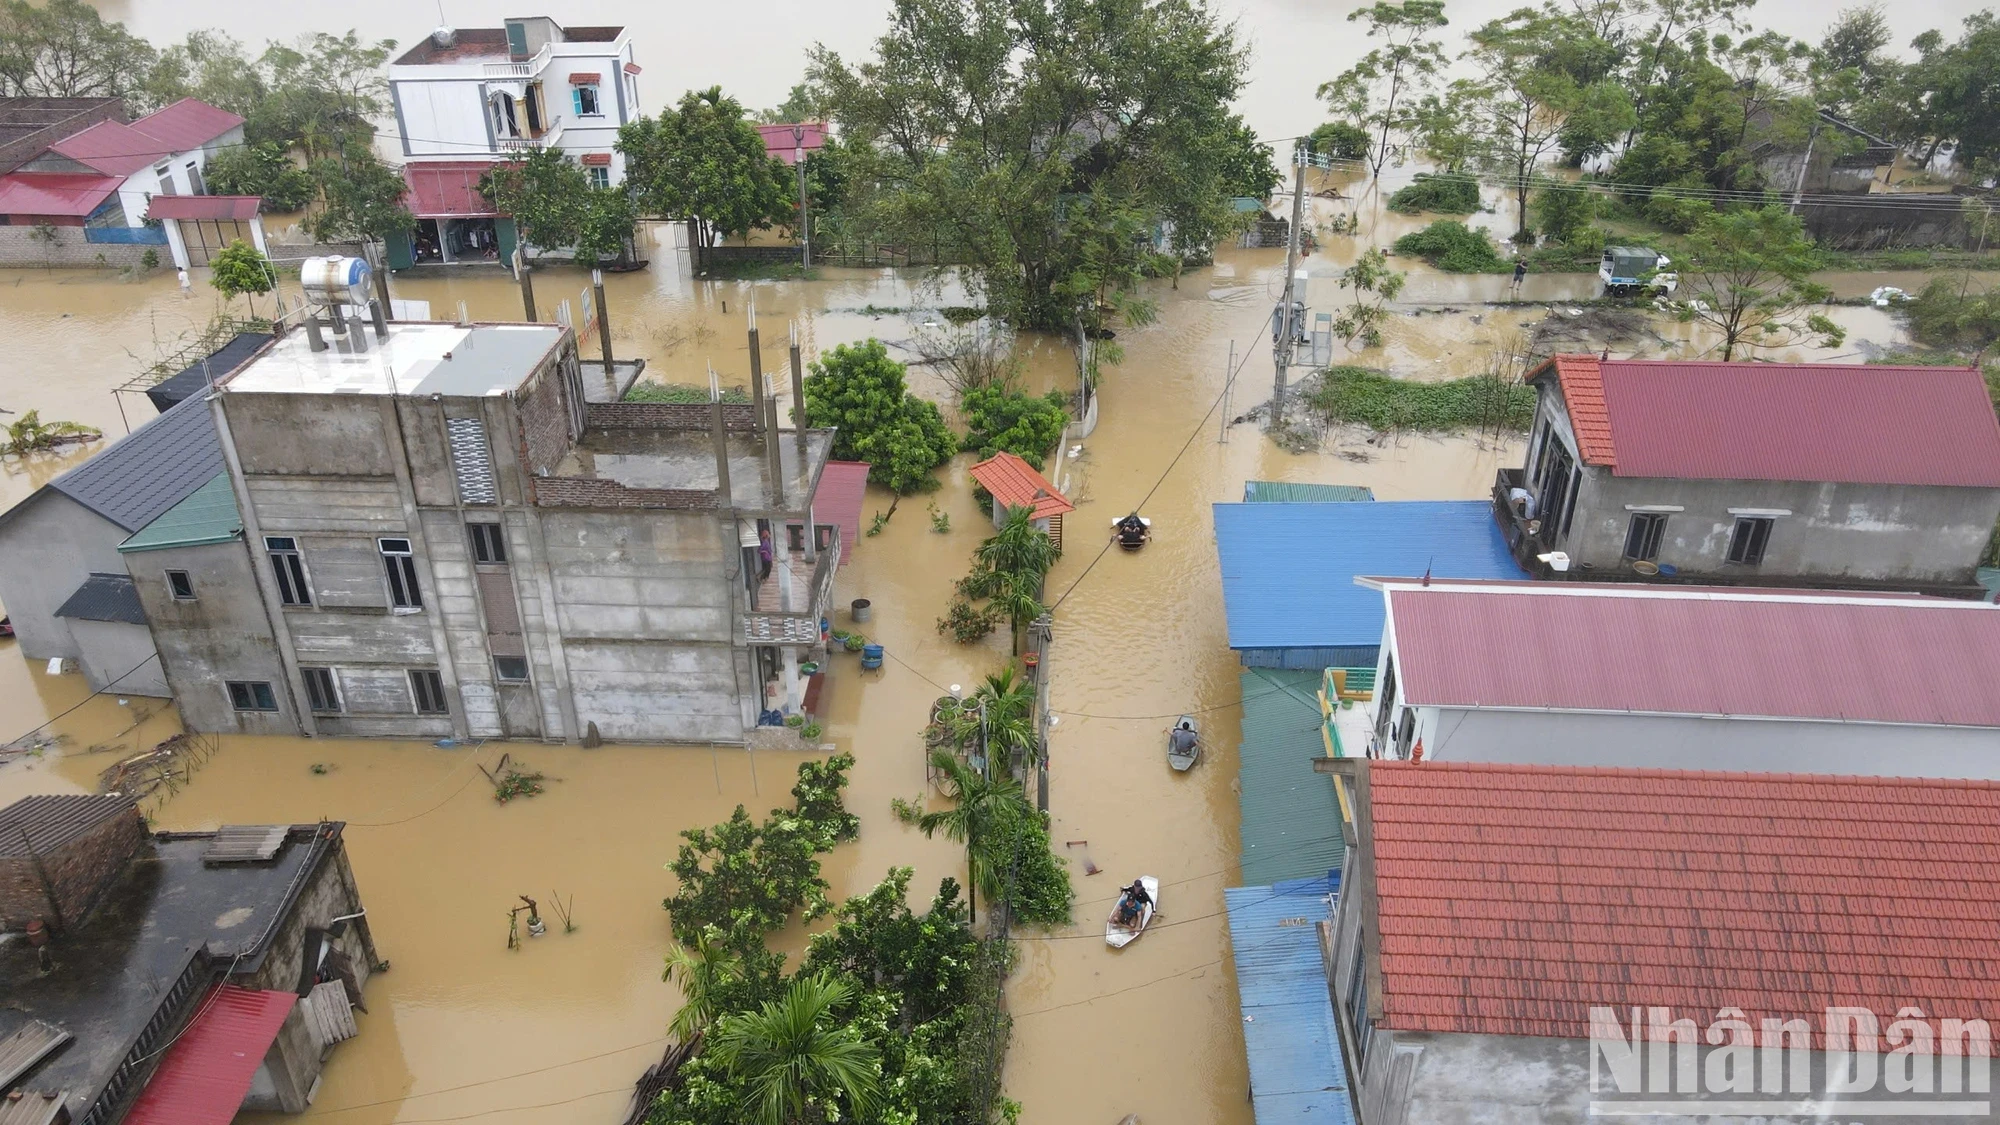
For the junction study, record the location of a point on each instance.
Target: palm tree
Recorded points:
(1019, 548)
(702, 971)
(978, 804)
(1009, 711)
(794, 1052)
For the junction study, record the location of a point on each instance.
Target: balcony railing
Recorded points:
(799, 627)
(1523, 535)
(547, 138)
(526, 68)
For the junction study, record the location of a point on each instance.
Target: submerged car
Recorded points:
(1635, 271)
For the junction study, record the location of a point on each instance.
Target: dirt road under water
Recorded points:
(462, 1028)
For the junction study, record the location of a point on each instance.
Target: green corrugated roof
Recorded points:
(1291, 816)
(1288, 492)
(1989, 577)
(208, 515)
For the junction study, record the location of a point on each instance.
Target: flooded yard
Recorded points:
(463, 1028)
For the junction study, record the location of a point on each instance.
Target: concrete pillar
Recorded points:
(791, 677)
(176, 245)
(256, 235)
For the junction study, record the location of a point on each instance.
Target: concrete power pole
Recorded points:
(805, 216)
(1282, 350)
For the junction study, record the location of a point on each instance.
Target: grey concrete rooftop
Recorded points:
(685, 459)
(111, 972)
(416, 359)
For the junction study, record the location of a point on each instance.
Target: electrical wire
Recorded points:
(317, 1112)
(86, 699)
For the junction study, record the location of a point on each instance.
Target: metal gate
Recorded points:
(206, 237)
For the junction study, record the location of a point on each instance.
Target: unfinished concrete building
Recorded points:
(459, 531)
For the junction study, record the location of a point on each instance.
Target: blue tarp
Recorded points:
(1297, 1076)
(1288, 570)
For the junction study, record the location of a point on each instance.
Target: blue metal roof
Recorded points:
(1297, 1076)
(1288, 569)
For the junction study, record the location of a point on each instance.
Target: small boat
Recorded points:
(1181, 759)
(6, 627)
(1117, 936)
(1129, 538)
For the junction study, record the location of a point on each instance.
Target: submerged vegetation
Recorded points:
(1453, 247)
(1357, 394)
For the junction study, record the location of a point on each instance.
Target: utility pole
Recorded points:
(805, 215)
(528, 286)
(1282, 350)
(603, 319)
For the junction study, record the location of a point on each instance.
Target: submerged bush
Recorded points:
(1453, 247)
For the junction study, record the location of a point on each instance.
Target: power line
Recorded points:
(491, 1081)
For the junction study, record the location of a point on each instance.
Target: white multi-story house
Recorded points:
(467, 99)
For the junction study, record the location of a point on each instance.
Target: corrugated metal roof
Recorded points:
(1288, 569)
(1705, 652)
(1513, 899)
(30, 1043)
(112, 147)
(1297, 1075)
(782, 142)
(1015, 484)
(1290, 815)
(843, 485)
(74, 195)
(49, 821)
(208, 515)
(1292, 492)
(448, 188)
(245, 843)
(153, 468)
(105, 597)
(187, 124)
(205, 1074)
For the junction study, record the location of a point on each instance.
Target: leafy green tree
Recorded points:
(239, 270)
(1747, 274)
(1852, 54)
(609, 218)
(1443, 194)
(64, 49)
(1948, 315)
(1000, 418)
(1374, 285)
(1957, 92)
(323, 93)
(1047, 145)
(1563, 210)
(210, 65)
(797, 1056)
(1530, 107)
(1248, 167)
(706, 162)
(1446, 126)
(547, 193)
(1375, 92)
(362, 198)
(263, 170)
(1341, 140)
(859, 390)
(974, 818)
(804, 102)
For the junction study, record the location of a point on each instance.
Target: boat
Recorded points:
(1182, 759)
(1127, 540)
(1117, 936)
(6, 627)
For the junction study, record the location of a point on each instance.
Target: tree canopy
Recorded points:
(860, 390)
(1048, 145)
(1748, 275)
(1375, 94)
(705, 161)
(239, 270)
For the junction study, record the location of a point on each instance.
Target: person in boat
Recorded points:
(1132, 905)
(1131, 531)
(1182, 740)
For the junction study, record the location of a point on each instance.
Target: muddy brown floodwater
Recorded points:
(462, 1028)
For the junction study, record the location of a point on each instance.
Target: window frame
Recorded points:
(1650, 540)
(290, 572)
(503, 677)
(1750, 540)
(178, 580)
(596, 99)
(333, 705)
(263, 702)
(600, 176)
(488, 539)
(399, 566)
(426, 682)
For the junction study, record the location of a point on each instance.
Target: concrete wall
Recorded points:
(118, 656)
(76, 872)
(444, 118)
(1878, 222)
(351, 434)
(1868, 532)
(1415, 1078)
(46, 552)
(223, 634)
(1681, 742)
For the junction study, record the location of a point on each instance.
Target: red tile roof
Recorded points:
(780, 141)
(448, 189)
(1856, 423)
(74, 195)
(205, 1074)
(1706, 652)
(117, 149)
(1512, 899)
(1583, 392)
(224, 208)
(1015, 484)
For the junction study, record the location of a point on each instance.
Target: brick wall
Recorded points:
(544, 414)
(20, 247)
(740, 416)
(78, 870)
(589, 492)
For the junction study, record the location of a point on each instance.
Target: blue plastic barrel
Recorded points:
(871, 656)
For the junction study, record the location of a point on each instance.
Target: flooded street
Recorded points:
(463, 1028)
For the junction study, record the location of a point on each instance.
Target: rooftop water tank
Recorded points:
(335, 281)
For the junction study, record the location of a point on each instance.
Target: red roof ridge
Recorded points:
(1583, 392)
(1015, 484)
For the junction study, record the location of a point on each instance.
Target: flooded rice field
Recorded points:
(462, 1028)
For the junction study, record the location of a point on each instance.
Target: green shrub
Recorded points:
(1676, 212)
(1357, 394)
(265, 170)
(150, 259)
(810, 732)
(1341, 140)
(860, 390)
(1453, 247)
(649, 391)
(1439, 194)
(1027, 426)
